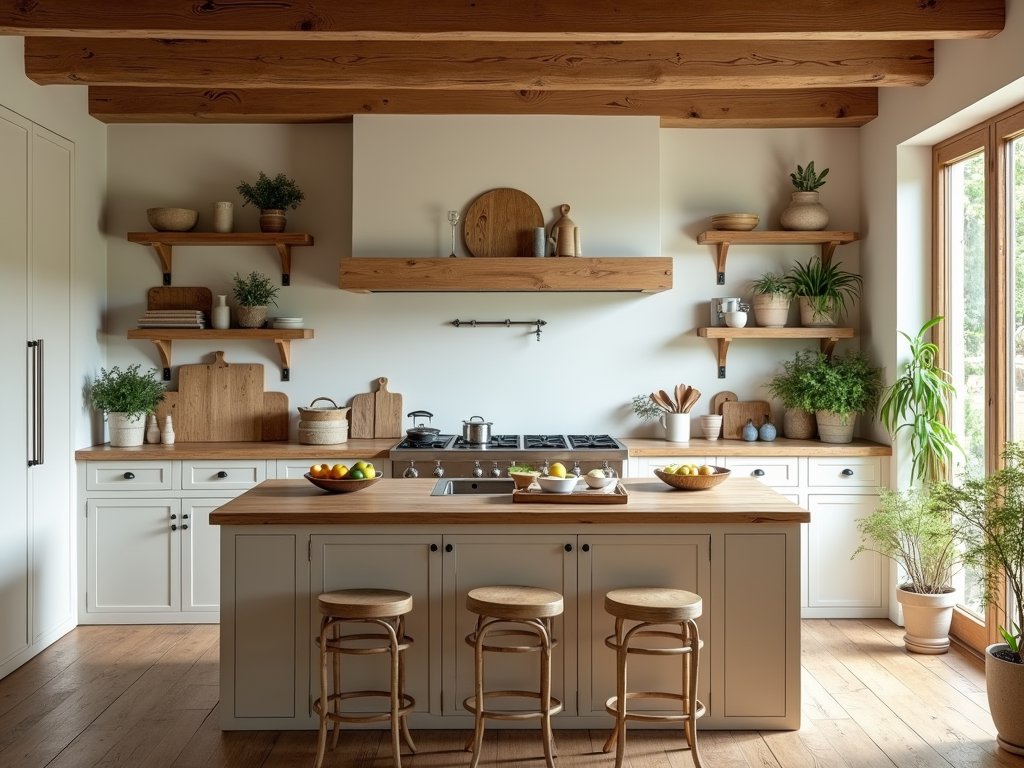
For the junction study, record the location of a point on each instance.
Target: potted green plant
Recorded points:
(273, 197)
(990, 512)
(771, 302)
(840, 388)
(798, 417)
(806, 213)
(823, 291)
(126, 397)
(254, 294)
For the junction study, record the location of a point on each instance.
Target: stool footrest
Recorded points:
(533, 648)
(611, 707)
(470, 706)
(408, 705)
(336, 644)
(673, 651)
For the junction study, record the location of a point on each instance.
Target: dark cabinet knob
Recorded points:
(568, 547)
(129, 475)
(433, 547)
(184, 527)
(847, 473)
(222, 474)
(184, 517)
(448, 547)
(586, 547)
(174, 517)
(174, 527)
(758, 473)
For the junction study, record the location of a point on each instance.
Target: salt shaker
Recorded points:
(168, 433)
(152, 430)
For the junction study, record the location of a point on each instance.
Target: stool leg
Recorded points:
(401, 687)
(691, 665)
(478, 665)
(618, 735)
(336, 669)
(396, 752)
(545, 691)
(321, 743)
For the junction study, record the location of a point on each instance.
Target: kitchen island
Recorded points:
(285, 541)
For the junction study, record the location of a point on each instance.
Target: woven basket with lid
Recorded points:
(323, 413)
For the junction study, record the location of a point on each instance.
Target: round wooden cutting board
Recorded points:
(500, 224)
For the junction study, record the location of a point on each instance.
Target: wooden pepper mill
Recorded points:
(566, 235)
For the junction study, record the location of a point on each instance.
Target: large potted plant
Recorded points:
(839, 389)
(798, 417)
(823, 291)
(771, 302)
(273, 197)
(990, 512)
(805, 211)
(254, 294)
(126, 397)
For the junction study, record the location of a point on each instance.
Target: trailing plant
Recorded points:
(790, 386)
(772, 284)
(128, 391)
(826, 287)
(806, 180)
(647, 409)
(277, 193)
(919, 401)
(256, 290)
(990, 515)
(520, 468)
(844, 384)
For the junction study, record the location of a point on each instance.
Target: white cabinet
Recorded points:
(291, 469)
(834, 581)
(644, 466)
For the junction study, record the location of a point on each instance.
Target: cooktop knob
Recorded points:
(477, 469)
(438, 469)
(495, 472)
(411, 471)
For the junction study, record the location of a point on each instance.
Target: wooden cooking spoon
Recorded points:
(681, 394)
(692, 396)
(668, 399)
(659, 398)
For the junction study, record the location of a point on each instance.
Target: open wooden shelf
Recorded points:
(725, 335)
(646, 274)
(723, 239)
(164, 337)
(163, 243)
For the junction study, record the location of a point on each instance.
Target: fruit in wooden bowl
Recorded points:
(344, 485)
(558, 484)
(698, 482)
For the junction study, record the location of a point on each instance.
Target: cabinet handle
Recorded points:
(568, 547)
(448, 547)
(847, 472)
(586, 547)
(222, 474)
(758, 473)
(129, 475)
(433, 547)
(174, 527)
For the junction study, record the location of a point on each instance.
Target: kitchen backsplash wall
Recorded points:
(634, 189)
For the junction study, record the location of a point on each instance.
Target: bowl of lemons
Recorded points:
(691, 477)
(342, 479)
(555, 484)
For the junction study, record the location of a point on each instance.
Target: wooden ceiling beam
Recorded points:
(708, 65)
(824, 108)
(490, 20)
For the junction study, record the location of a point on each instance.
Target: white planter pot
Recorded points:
(926, 619)
(125, 433)
(810, 318)
(771, 310)
(1005, 683)
(835, 428)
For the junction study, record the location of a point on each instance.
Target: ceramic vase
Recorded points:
(805, 213)
(167, 436)
(926, 618)
(771, 310)
(272, 220)
(152, 429)
(252, 317)
(125, 432)
(1004, 682)
(221, 319)
(223, 217)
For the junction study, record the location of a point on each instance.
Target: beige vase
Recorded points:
(272, 220)
(771, 310)
(125, 432)
(805, 213)
(798, 424)
(835, 427)
(811, 318)
(1005, 683)
(251, 317)
(926, 619)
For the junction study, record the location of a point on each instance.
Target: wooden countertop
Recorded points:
(698, 446)
(397, 501)
(377, 448)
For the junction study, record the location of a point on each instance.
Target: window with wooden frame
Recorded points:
(978, 179)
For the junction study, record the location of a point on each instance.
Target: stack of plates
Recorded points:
(736, 222)
(288, 322)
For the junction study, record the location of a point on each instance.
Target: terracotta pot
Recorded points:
(1005, 683)
(251, 317)
(809, 318)
(771, 310)
(798, 424)
(272, 220)
(125, 432)
(834, 427)
(805, 213)
(926, 619)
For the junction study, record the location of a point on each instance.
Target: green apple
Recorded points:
(597, 473)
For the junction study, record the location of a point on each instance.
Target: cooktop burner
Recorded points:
(439, 441)
(544, 441)
(496, 441)
(592, 441)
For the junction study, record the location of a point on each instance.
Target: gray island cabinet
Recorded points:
(285, 541)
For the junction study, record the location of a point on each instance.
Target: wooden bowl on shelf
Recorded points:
(735, 222)
(694, 482)
(341, 486)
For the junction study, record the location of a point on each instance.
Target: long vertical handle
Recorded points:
(36, 416)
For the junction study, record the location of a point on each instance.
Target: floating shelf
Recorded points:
(646, 274)
(723, 239)
(164, 337)
(163, 243)
(828, 337)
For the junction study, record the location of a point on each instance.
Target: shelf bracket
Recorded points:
(163, 251)
(286, 264)
(284, 347)
(164, 347)
(827, 249)
(723, 353)
(827, 345)
(723, 251)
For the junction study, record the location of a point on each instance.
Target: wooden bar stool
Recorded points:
(386, 608)
(651, 606)
(534, 609)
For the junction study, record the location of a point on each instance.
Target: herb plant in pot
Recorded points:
(990, 515)
(771, 300)
(840, 388)
(126, 397)
(254, 294)
(823, 291)
(273, 197)
(798, 418)
(805, 213)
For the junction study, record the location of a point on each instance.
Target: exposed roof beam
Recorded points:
(478, 66)
(504, 20)
(691, 109)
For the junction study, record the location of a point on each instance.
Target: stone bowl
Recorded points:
(172, 219)
(341, 486)
(694, 482)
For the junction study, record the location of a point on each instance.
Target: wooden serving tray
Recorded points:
(585, 495)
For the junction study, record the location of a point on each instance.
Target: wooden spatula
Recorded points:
(673, 405)
(661, 399)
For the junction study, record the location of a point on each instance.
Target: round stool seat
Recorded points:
(655, 605)
(365, 603)
(514, 602)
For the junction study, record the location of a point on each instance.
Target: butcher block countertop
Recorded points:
(781, 446)
(739, 500)
(376, 448)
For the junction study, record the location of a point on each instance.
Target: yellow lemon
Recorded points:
(556, 470)
(338, 471)
(369, 472)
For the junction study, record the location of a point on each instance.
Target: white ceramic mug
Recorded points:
(711, 426)
(736, 319)
(677, 427)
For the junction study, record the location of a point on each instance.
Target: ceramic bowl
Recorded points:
(599, 482)
(694, 482)
(341, 486)
(736, 319)
(735, 222)
(558, 484)
(523, 480)
(172, 219)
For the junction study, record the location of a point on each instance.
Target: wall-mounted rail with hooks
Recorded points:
(507, 323)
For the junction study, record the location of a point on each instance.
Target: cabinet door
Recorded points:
(384, 561)
(834, 581)
(200, 555)
(133, 556)
(521, 560)
(608, 562)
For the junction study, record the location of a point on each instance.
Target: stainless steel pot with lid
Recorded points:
(421, 431)
(474, 431)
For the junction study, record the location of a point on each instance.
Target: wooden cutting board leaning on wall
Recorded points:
(736, 414)
(376, 414)
(220, 401)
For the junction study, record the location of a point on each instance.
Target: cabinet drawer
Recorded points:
(228, 475)
(776, 471)
(289, 469)
(128, 476)
(854, 472)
